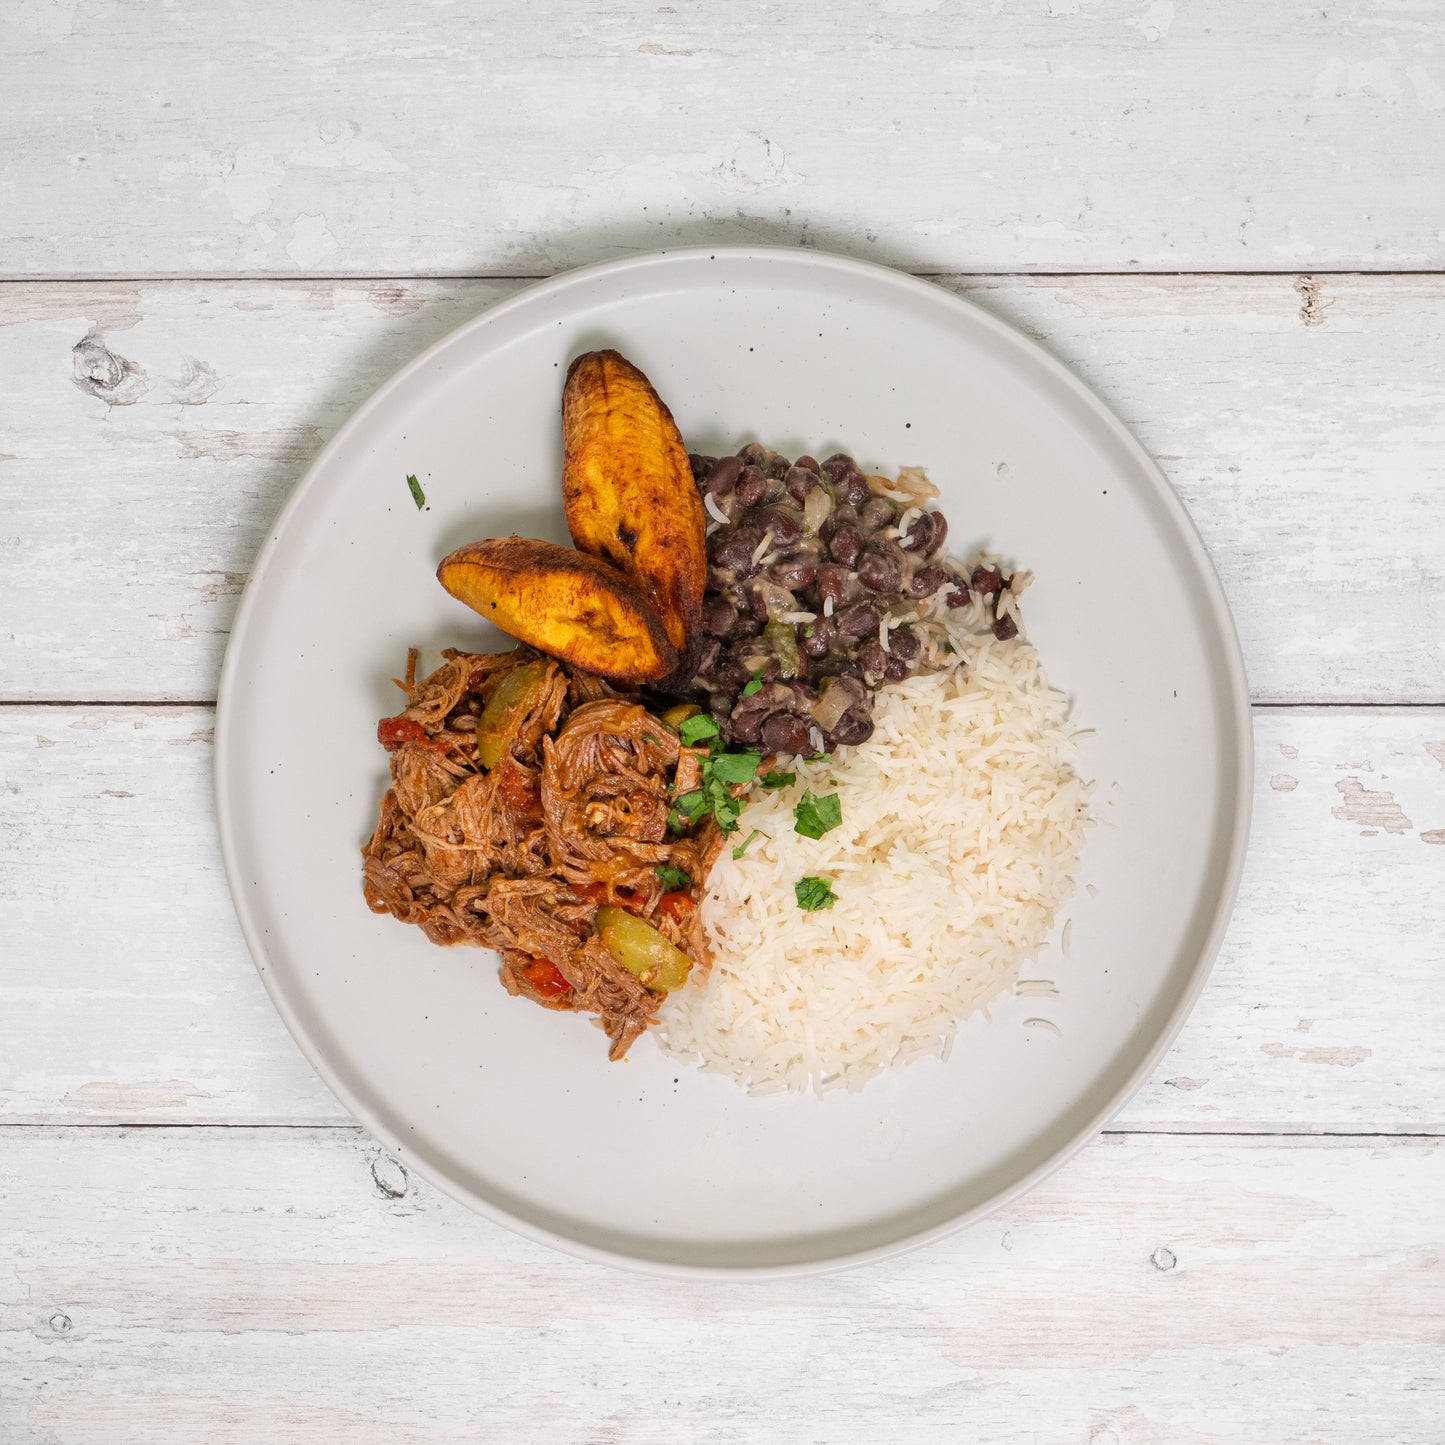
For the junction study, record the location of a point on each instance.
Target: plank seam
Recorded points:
(348, 1126)
(305, 278)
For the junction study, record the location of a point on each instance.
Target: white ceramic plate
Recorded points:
(515, 1110)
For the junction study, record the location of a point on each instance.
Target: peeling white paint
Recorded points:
(311, 241)
(248, 180)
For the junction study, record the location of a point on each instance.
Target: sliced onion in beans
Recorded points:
(816, 508)
(830, 707)
(778, 600)
(914, 481)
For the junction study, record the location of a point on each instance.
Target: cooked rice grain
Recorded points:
(963, 820)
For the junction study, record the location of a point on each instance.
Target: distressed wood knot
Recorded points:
(389, 1176)
(1163, 1259)
(1312, 301)
(60, 1323)
(99, 372)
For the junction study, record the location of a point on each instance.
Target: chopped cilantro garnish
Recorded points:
(696, 728)
(691, 804)
(774, 780)
(747, 842)
(417, 495)
(814, 816)
(675, 878)
(756, 685)
(814, 893)
(721, 772)
(733, 767)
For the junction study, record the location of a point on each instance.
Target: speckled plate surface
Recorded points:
(516, 1110)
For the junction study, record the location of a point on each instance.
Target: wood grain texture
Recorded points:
(273, 138)
(127, 995)
(289, 1285)
(152, 431)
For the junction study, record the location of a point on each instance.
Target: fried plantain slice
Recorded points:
(564, 603)
(629, 492)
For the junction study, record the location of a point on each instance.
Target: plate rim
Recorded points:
(1236, 707)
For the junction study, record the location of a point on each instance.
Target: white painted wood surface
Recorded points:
(151, 431)
(286, 1286)
(1253, 1254)
(1324, 1011)
(527, 135)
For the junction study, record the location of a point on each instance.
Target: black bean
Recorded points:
(778, 466)
(783, 733)
(854, 727)
(786, 526)
(708, 657)
(808, 463)
(795, 571)
(719, 616)
(699, 465)
(846, 545)
(750, 712)
(903, 642)
(919, 537)
(724, 476)
(926, 581)
(878, 572)
(758, 602)
(872, 659)
(831, 582)
(751, 486)
(746, 626)
(754, 454)
(957, 598)
(858, 620)
(838, 466)
(877, 512)
(735, 549)
(896, 669)
(728, 675)
(799, 482)
(818, 637)
(1005, 627)
(987, 579)
(845, 515)
(939, 524)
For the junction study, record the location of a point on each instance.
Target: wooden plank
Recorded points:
(127, 994)
(274, 139)
(152, 431)
(291, 1286)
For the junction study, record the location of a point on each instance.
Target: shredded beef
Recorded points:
(520, 856)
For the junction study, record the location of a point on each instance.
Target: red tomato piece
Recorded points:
(392, 731)
(546, 978)
(678, 905)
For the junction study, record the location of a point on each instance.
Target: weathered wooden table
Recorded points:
(221, 226)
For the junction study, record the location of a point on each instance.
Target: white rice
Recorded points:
(963, 821)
